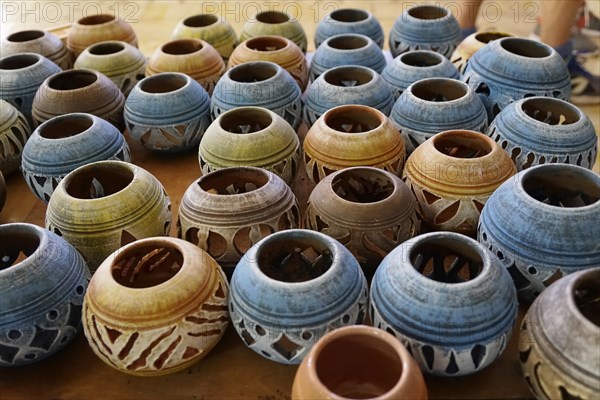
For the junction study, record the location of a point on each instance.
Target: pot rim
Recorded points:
(194, 53)
(406, 14)
(88, 49)
(201, 15)
(374, 75)
(438, 80)
(368, 43)
(472, 134)
(500, 44)
(271, 114)
(25, 31)
(249, 64)
(432, 53)
(26, 228)
(268, 174)
(285, 40)
(46, 85)
(330, 179)
(69, 116)
(583, 275)
(164, 75)
(502, 34)
(563, 103)
(39, 58)
(280, 13)
(114, 19)
(368, 14)
(367, 109)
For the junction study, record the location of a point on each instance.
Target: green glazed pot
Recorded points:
(14, 132)
(208, 27)
(275, 23)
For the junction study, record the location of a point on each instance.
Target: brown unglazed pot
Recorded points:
(452, 175)
(192, 57)
(37, 41)
(358, 362)
(276, 49)
(98, 28)
(350, 136)
(471, 44)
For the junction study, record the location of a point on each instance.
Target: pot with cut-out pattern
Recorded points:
(14, 133)
(465, 50)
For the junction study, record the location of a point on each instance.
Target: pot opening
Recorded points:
(244, 120)
(19, 61)
(551, 111)
(103, 49)
(96, 19)
(348, 76)
(263, 43)
(486, 37)
(439, 89)
(365, 185)
(253, 72)
(201, 20)
(72, 79)
(348, 42)
(462, 144)
(182, 47)
(353, 119)
(562, 186)
(428, 12)
(163, 83)
(98, 180)
(15, 247)
(349, 15)
(586, 293)
(25, 36)
(421, 58)
(231, 181)
(526, 47)
(66, 126)
(145, 266)
(272, 17)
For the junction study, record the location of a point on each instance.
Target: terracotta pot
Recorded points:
(79, 91)
(228, 211)
(14, 133)
(208, 27)
(251, 136)
(350, 136)
(176, 295)
(358, 362)
(471, 44)
(192, 57)
(98, 28)
(2, 191)
(276, 49)
(556, 362)
(40, 42)
(452, 175)
(275, 23)
(106, 204)
(349, 20)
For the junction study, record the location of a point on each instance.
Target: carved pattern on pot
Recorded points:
(98, 28)
(471, 44)
(14, 133)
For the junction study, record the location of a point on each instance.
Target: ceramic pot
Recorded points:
(192, 57)
(106, 204)
(40, 42)
(79, 91)
(415, 65)
(556, 362)
(20, 77)
(425, 27)
(208, 27)
(251, 136)
(41, 294)
(433, 105)
(452, 175)
(349, 20)
(452, 285)
(471, 44)
(347, 85)
(98, 28)
(176, 294)
(168, 112)
(541, 130)
(277, 49)
(260, 83)
(290, 289)
(347, 49)
(275, 23)
(14, 133)
(368, 210)
(62, 144)
(2, 190)
(228, 211)
(350, 136)
(121, 62)
(560, 204)
(510, 69)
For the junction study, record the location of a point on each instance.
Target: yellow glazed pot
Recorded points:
(275, 23)
(98, 28)
(210, 28)
(471, 44)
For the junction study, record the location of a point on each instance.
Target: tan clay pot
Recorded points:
(210, 28)
(98, 28)
(275, 23)
(41, 42)
(471, 44)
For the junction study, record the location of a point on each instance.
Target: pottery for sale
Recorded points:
(208, 27)
(452, 285)
(41, 294)
(40, 42)
(290, 289)
(560, 204)
(155, 307)
(98, 28)
(465, 50)
(14, 133)
(275, 23)
(349, 20)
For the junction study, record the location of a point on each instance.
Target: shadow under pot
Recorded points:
(465, 50)
(98, 28)
(349, 20)
(40, 42)
(275, 23)
(212, 29)
(14, 133)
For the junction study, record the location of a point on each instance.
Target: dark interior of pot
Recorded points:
(427, 12)
(16, 245)
(439, 89)
(349, 15)
(233, 181)
(348, 76)
(355, 368)
(526, 47)
(263, 43)
(182, 47)
(25, 36)
(551, 111)
(146, 266)
(586, 293)
(421, 58)
(19, 61)
(96, 19)
(364, 185)
(103, 49)
(163, 83)
(562, 185)
(98, 180)
(486, 37)
(348, 42)
(462, 144)
(201, 20)
(72, 79)
(252, 72)
(66, 126)
(272, 17)
(245, 120)
(353, 119)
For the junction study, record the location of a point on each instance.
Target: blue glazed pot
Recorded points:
(290, 289)
(510, 69)
(349, 20)
(20, 77)
(453, 320)
(560, 204)
(41, 296)
(262, 84)
(425, 27)
(415, 65)
(347, 85)
(541, 130)
(347, 49)
(168, 112)
(434, 105)
(63, 144)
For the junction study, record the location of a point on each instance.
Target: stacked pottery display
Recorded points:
(465, 50)
(14, 133)
(349, 20)
(37, 41)
(98, 28)
(208, 27)
(275, 23)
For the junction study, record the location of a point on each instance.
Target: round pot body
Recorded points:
(63, 144)
(347, 85)
(349, 20)
(228, 211)
(541, 130)
(425, 27)
(106, 204)
(41, 295)
(208, 27)
(79, 91)
(98, 28)
(275, 23)
(261, 83)
(41, 42)
(358, 362)
(510, 69)
(469, 302)
(2, 191)
(556, 362)
(251, 136)
(350, 136)
(452, 176)
(193, 57)
(471, 44)
(290, 289)
(561, 206)
(121, 62)
(433, 105)
(168, 112)
(276, 49)
(14, 133)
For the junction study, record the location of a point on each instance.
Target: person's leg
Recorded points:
(467, 16)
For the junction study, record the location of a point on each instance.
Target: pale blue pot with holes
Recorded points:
(349, 20)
